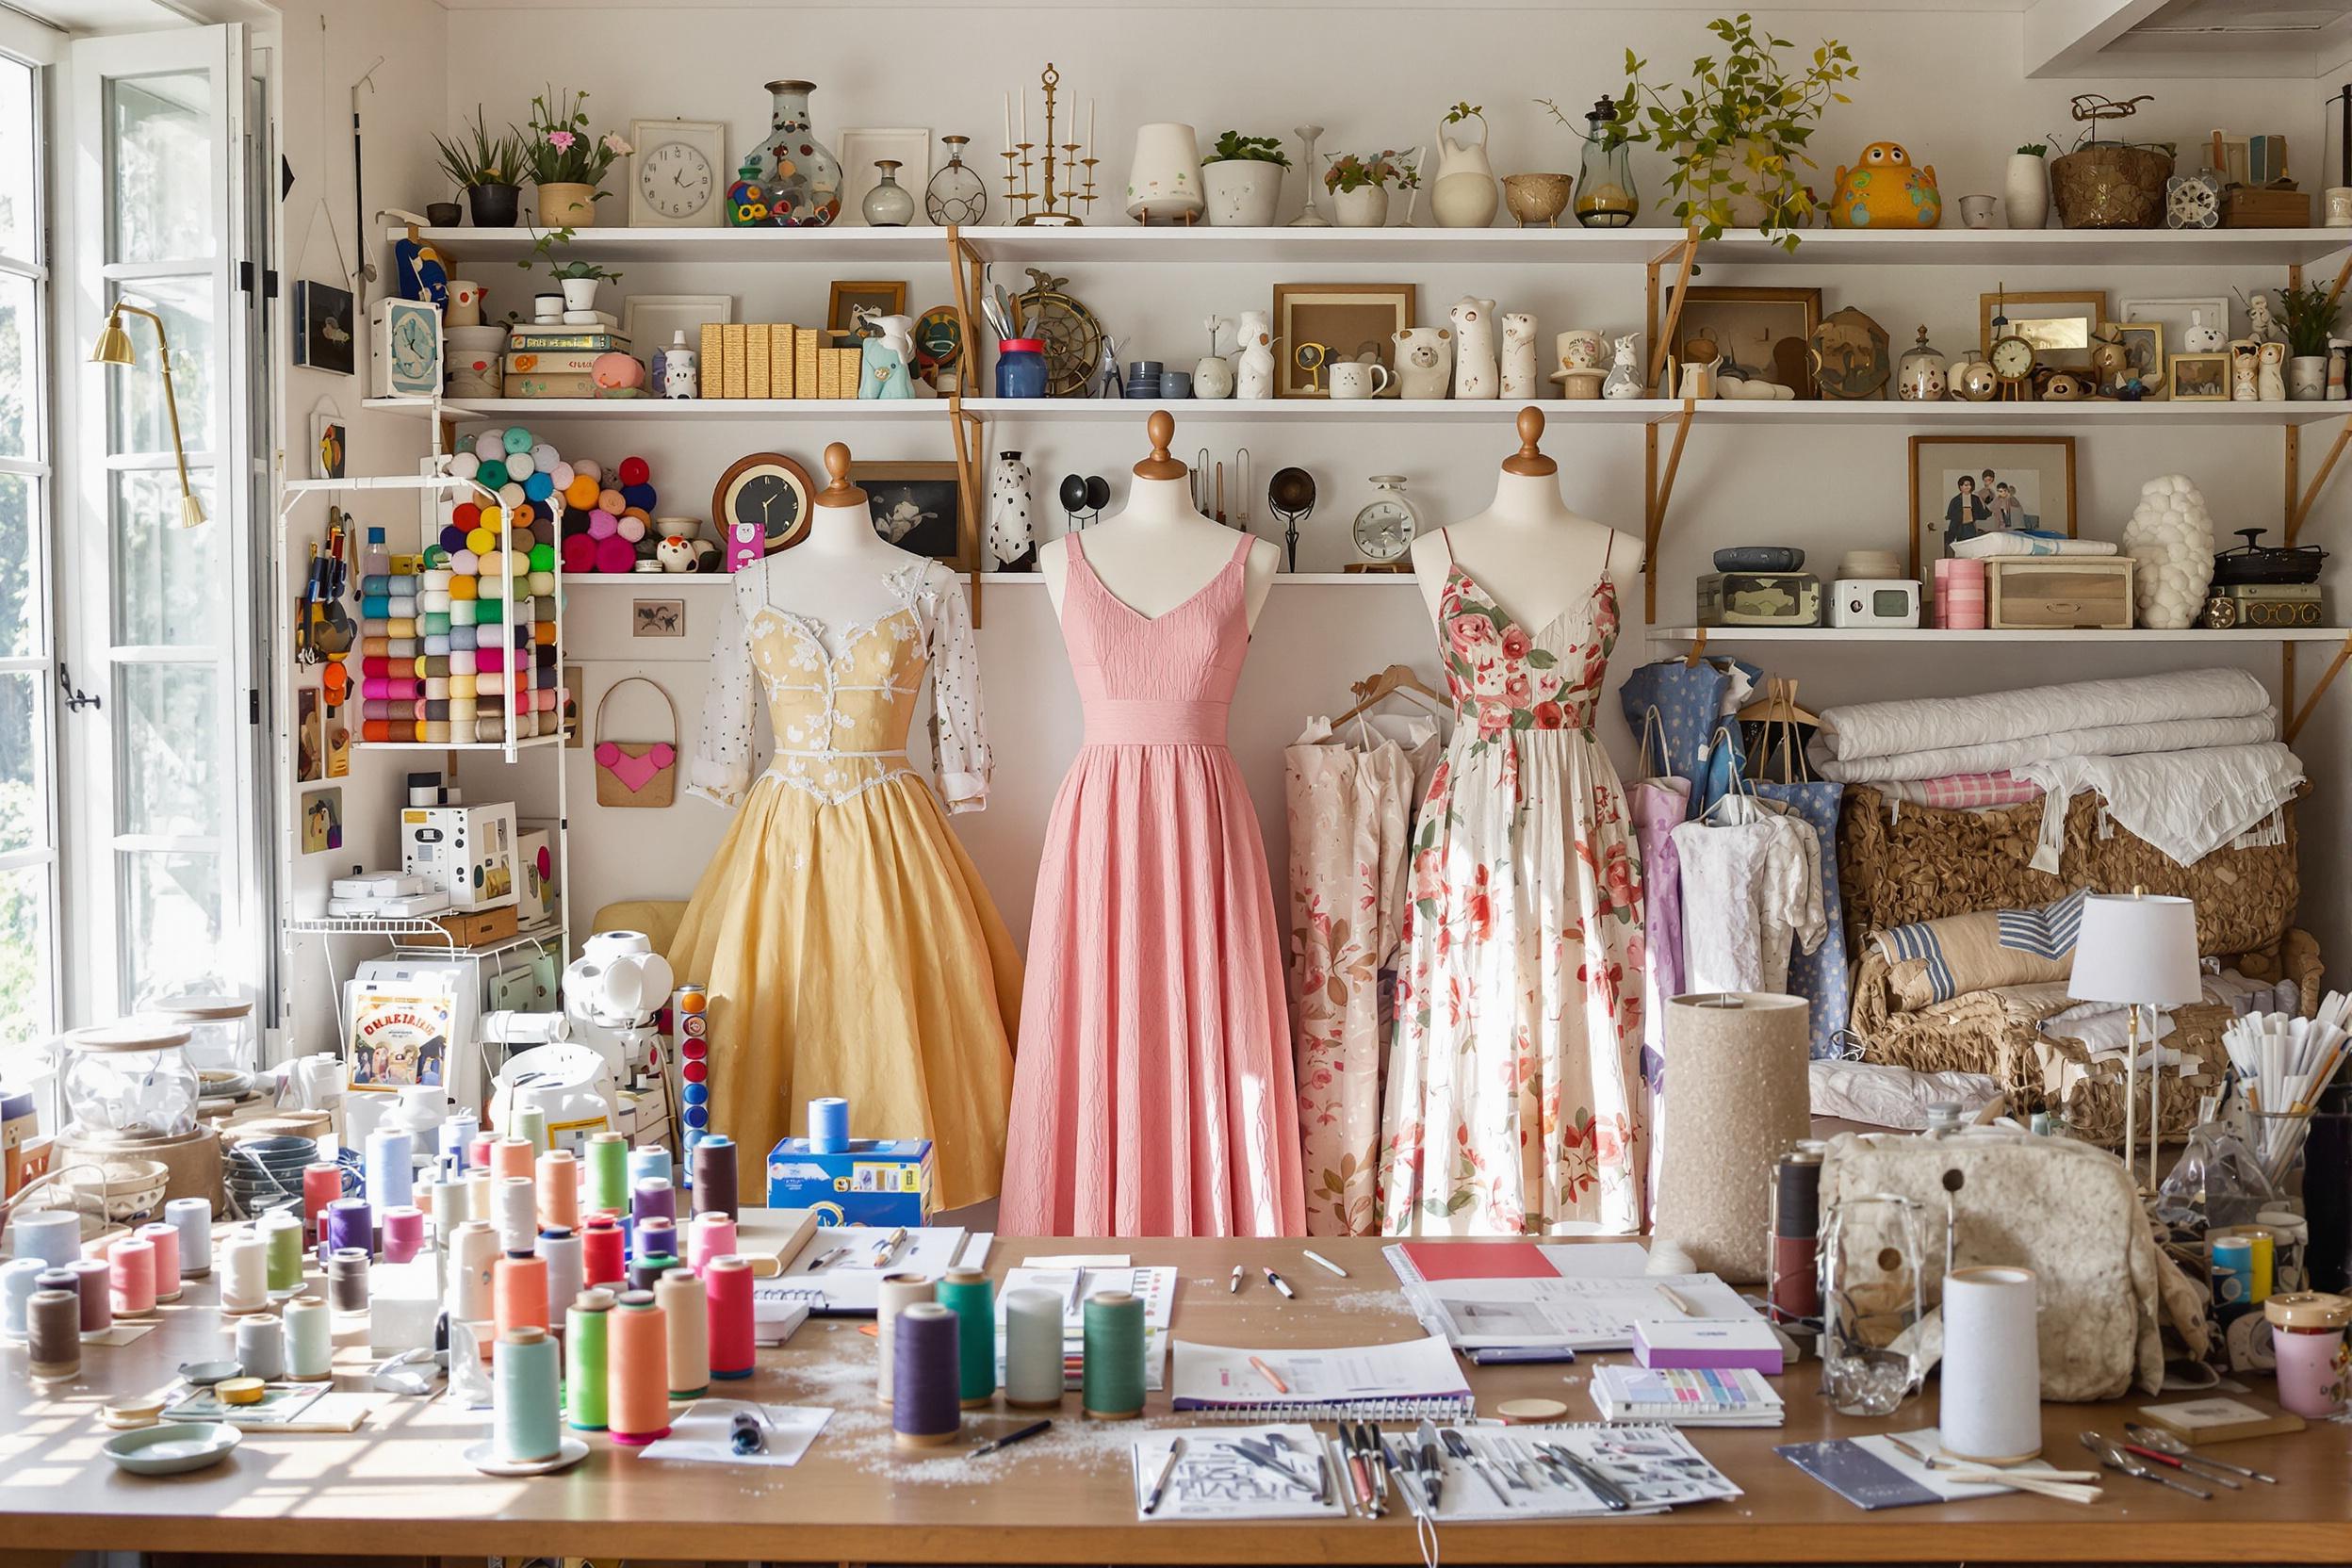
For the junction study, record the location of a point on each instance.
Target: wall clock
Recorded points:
(761, 506)
(2193, 201)
(404, 348)
(677, 176)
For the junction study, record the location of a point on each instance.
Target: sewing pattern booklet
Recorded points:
(840, 1269)
(1073, 1279)
(1579, 1314)
(1412, 1378)
(1215, 1476)
(703, 1433)
(1686, 1396)
(1522, 1473)
(1871, 1473)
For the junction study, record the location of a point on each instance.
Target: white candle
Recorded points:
(1024, 117)
(1090, 123)
(1008, 121)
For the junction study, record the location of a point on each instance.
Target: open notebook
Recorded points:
(1408, 1381)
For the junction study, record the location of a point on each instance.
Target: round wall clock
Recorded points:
(674, 174)
(767, 492)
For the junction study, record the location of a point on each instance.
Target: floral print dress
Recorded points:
(1513, 1099)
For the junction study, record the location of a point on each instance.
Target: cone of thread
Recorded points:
(1112, 1385)
(524, 1400)
(587, 1342)
(727, 1288)
(637, 1371)
(893, 1294)
(682, 1302)
(966, 1293)
(924, 1408)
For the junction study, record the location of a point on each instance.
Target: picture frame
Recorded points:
(1356, 320)
(657, 617)
(2231, 156)
(2037, 471)
(310, 738)
(700, 146)
(1741, 321)
(326, 331)
(330, 446)
(649, 320)
(877, 297)
(2143, 343)
(859, 146)
(2058, 322)
(2177, 317)
(322, 820)
(919, 507)
(2198, 378)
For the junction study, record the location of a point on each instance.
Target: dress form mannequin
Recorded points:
(1159, 551)
(1549, 557)
(839, 573)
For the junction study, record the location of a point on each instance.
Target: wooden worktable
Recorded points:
(399, 1488)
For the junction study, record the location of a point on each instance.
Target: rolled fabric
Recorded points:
(1741, 1097)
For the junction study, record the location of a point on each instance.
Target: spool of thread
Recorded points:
(261, 1348)
(1112, 1385)
(281, 1234)
(131, 1277)
(654, 1198)
(482, 1188)
(654, 1237)
(93, 1285)
(165, 1239)
(347, 1279)
(514, 1209)
(1991, 1383)
(192, 1219)
(350, 1223)
(712, 1235)
(519, 1292)
(645, 1269)
(309, 1339)
(828, 1126)
(587, 1342)
(558, 1189)
(19, 1278)
(403, 1233)
(651, 1163)
(512, 1156)
(525, 1410)
(1033, 1348)
(322, 1183)
(968, 1293)
(925, 1409)
(603, 1250)
(686, 1306)
(608, 1171)
(390, 1166)
(53, 1333)
(1796, 1235)
(53, 1235)
(637, 1371)
(457, 1136)
(473, 1258)
(716, 1189)
(559, 1249)
(726, 1298)
(245, 1270)
(451, 1207)
(531, 1125)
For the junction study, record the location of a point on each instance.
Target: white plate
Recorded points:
(167, 1450)
(485, 1457)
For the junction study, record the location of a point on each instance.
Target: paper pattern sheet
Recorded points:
(1366, 1378)
(1213, 1479)
(1656, 1466)
(1588, 1313)
(700, 1435)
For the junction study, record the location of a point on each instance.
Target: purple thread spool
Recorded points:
(924, 1411)
(350, 1226)
(654, 1198)
(653, 1238)
(91, 1284)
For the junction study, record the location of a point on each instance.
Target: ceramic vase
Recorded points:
(1242, 193)
(1163, 181)
(1213, 378)
(2025, 194)
(1474, 367)
(889, 205)
(2307, 378)
(567, 206)
(580, 293)
(798, 177)
(1012, 538)
(494, 207)
(1364, 207)
(1254, 375)
(2271, 375)
(1463, 196)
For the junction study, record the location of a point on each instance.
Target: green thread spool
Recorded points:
(608, 1172)
(282, 1237)
(1112, 1387)
(524, 1418)
(586, 1339)
(968, 1293)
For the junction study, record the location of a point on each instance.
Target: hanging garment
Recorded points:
(1749, 890)
(1658, 804)
(1351, 809)
(1821, 975)
(1512, 1102)
(848, 944)
(1153, 1094)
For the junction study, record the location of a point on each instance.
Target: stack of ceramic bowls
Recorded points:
(266, 1174)
(1143, 378)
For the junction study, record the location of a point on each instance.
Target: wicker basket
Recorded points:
(2110, 185)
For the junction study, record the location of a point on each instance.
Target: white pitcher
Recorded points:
(1463, 195)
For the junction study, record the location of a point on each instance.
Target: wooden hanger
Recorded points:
(1779, 705)
(1698, 650)
(1396, 680)
(1162, 426)
(840, 492)
(1527, 460)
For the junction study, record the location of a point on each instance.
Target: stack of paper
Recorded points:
(1411, 1380)
(1684, 1396)
(1520, 1302)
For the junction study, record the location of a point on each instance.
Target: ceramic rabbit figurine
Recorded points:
(1474, 347)
(1518, 355)
(1625, 375)
(1254, 377)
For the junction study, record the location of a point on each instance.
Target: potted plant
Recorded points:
(1463, 194)
(2309, 314)
(1242, 178)
(567, 161)
(2025, 193)
(1735, 135)
(576, 279)
(485, 167)
(1359, 187)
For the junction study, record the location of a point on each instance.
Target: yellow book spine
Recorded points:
(781, 381)
(756, 360)
(731, 378)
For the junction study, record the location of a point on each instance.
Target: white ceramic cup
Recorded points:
(1977, 211)
(1352, 378)
(2339, 207)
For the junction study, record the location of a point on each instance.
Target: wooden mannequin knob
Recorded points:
(1162, 427)
(1527, 460)
(840, 492)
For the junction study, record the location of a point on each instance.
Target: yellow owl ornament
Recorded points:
(1885, 190)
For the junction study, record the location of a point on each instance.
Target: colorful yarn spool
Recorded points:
(1112, 1385)
(608, 1171)
(245, 1270)
(19, 1278)
(526, 1419)
(1034, 1374)
(309, 1339)
(712, 1235)
(603, 1250)
(390, 1166)
(53, 1333)
(726, 1295)
(473, 1257)
(828, 1126)
(519, 1292)
(347, 1279)
(515, 1210)
(53, 1236)
(893, 1294)
(282, 1235)
(716, 1189)
(686, 1306)
(587, 1342)
(654, 1198)
(925, 1409)
(968, 1293)
(637, 1371)
(404, 1230)
(558, 1189)
(350, 1223)
(165, 1239)
(512, 1156)
(322, 1183)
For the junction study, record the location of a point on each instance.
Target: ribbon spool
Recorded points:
(347, 1279)
(716, 1189)
(165, 1239)
(558, 1189)
(1033, 1374)
(192, 1219)
(261, 1348)
(53, 1235)
(968, 1293)
(309, 1339)
(131, 1277)
(828, 1126)
(683, 1301)
(473, 1255)
(524, 1403)
(637, 1371)
(1112, 1384)
(893, 1294)
(925, 1409)
(245, 1271)
(19, 1278)
(603, 1250)
(727, 1291)
(403, 1233)
(53, 1332)
(515, 1210)
(712, 1235)
(93, 1285)
(653, 1197)
(587, 1346)
(512, 1156)
(519, 1292)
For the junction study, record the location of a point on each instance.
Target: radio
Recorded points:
(2266, 606)
(1874, 601)
(1760, 598)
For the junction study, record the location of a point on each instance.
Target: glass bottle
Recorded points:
(1605, 195)
(955, 193)
(889, 205)
(798, 178)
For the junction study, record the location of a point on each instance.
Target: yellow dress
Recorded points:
(845, 938)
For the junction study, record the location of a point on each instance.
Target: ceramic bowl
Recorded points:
(169, 1449)
(203, 1374)
(1759, 557)
(1536, 199)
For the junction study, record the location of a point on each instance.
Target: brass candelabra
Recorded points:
(1057, 202)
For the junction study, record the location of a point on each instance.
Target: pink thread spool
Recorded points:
(713, 1236)
(403, 1233)
(165, 1239)
(131, 1277)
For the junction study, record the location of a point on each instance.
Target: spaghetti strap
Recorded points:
(1607, 550)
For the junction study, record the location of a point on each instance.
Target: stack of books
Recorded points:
(1684, 1396)
(555, 359)
(765, 359)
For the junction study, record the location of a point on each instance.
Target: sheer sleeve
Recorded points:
(959, 732)
(721, 770)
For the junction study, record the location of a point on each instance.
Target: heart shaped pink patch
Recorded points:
(634, 773)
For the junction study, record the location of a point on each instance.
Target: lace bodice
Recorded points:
(841, 698)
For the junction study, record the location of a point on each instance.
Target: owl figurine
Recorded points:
(1885, 190)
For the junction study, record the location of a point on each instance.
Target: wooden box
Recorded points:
(2244, 207)
(714, 355)
(480, 927)
(732, 369)
(804, 347)
(2042, 592)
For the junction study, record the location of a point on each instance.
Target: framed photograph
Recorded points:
(323, 821)
(2198, 378)
(657, 617)
(650, 320)
(1767, 333)
(2058, 324)
(874, 299)
(860, 147)
(330, 446)
(2228, 156)
(310, 738)
(678, 174)
(1319, 323)
(325, 338)
(2179, 318)
(918, 507)
(1967, 486)
(2144, 352)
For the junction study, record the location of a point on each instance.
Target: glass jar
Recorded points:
(1605, 195)
(1021, 367)
(131, 1079)
(1873, 1293)
(221, 1035)
(889, 205)
(957, 194)
(795, 179)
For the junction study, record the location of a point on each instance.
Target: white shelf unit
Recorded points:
(2240, 636)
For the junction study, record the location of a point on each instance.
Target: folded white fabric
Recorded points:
(2186, 803)
(1883, 1095)
(1985, 546)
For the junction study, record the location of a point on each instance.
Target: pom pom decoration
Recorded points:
(634, 470)
(2171, 536)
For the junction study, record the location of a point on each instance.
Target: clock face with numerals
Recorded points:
(676, 181)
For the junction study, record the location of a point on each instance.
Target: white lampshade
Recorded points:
(2136, 949)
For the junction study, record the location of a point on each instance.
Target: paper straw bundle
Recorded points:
(2283, 1066)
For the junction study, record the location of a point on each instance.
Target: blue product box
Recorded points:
(873, 1181)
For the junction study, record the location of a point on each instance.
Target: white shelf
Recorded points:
(526, 744)
(644, 581)
(1935, 634)
(519, 410)
(1293, 579)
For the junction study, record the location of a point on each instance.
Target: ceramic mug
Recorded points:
(465, 304)
(2339, 204)
(1580, 349)
(1977, 211)
(1353, 379)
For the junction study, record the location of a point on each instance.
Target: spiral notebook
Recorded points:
(1408, 1381)
(839, 1272)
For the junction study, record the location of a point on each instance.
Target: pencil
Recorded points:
(1270, 1375)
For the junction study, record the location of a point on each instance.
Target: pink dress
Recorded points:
(1151, 1089)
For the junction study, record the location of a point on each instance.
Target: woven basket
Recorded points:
(2111, 186)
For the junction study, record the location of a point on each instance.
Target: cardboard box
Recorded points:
(732, 346)
(467, 851)
(2039, 592)
(480, 927)
(806, 341)
(877, 1181)
(782, 347)
(758, 368)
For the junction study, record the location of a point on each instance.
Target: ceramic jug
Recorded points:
(1255, 372)
(1463, 195)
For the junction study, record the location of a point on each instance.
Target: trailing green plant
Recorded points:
(560, 149)
(2035, 149)
(477, 157)
(544, 245)
(1465, 111)
(1738, 128)
(2309, 314)
(1352, 172)
(1232, 147)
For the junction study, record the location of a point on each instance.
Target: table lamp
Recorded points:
(2141, 952)
(114, 347)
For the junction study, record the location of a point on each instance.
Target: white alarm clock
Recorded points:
(404, 348)
(1874, 601)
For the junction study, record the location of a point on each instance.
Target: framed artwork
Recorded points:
(324, 336)
(2059, 324)
(1767, 333)
(649, 320)
(939, 342)
(918, 507)
(310, 738)
(767, 495)
(323, 821)
(2202, 378)
(2230, 156)
(860, 147)
(1967, 486)
(874, 299)
(338, 744)
(1319, 323)
(2143, 344)
(657, 617)
(2179, 318)
(330, 446)
(678, 177)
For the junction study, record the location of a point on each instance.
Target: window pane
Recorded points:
(20, 584)
(23, 819)
(169, 732)
(160, 199)
(171, 917)
(24, 1005)
(20, 224)
(135, 392)
(168, 581)
(19, 384)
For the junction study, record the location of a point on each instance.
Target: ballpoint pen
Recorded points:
(885, 1251)
(1459, 1448)
(1321, 1262)
(1359, 1468)
(1376, 1453)
(1159, 1482)
(1280, 1283)
(1023, 1436)
(1432, 1476)
(828, 1258)
(1233, 1286)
